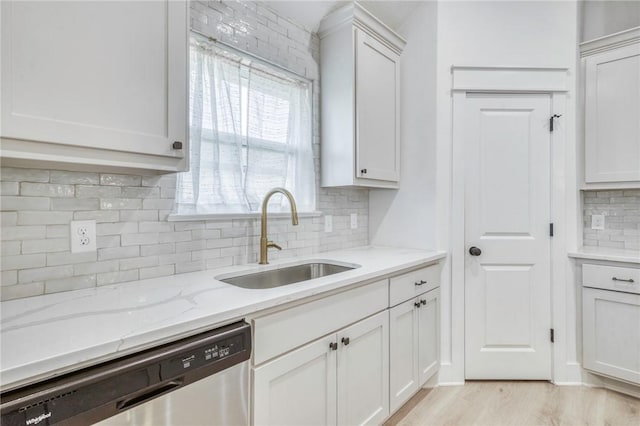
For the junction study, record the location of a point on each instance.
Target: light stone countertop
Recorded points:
(45, 336)
(605, 253)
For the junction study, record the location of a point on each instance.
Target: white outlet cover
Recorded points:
(597, 221)
(354, 220)
(328, 223)
(83, 236)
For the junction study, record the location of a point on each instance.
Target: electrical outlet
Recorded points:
(83, 236)
(597, 221)
(328, 223)
(354, 220)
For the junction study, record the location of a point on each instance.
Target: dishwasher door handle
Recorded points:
(149, 394)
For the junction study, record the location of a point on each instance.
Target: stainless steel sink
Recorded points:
(284, 276)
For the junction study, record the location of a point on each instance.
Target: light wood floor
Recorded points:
(497, 403)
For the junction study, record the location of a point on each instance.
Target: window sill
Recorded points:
(231, 216)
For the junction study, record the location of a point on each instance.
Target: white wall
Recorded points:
(601, 18)
(406, 217)
(527, 34)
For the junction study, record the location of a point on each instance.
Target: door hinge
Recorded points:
(552, 336)
(553, 117)
(551, 229)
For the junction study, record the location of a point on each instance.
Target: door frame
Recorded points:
(554, 82)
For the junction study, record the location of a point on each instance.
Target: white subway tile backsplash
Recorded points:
(43, 218)
(50, 245)
(156, 271)
(8, 233)
(23, 261)
(117, 277)
(68, 258)
(83, 178)
(9, 188)
(46, 190)
(118, 252)
(75, 204)
(8, 218)
(9, 174)
(134, 238)
(43, 274)
(14, 203)
(73, 283)
(8, 278)
(9, 248)
(21, 290)
(120, 180)
(139, 262)
(621, 209)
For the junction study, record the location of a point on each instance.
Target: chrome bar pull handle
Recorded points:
(630, 280)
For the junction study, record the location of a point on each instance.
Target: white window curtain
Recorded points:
(250, 131)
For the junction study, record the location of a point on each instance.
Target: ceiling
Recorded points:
(309, 13)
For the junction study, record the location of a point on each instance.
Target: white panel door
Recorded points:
(98, 74)
(298, 388)
(507, 215)
(403, 352)
(363, 372)
(429, 335)
(377, 110)
(612, 115)
(611, 333)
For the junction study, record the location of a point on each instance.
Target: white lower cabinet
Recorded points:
(339, 379)
(611, 333)
(298, 388)
(414, 345)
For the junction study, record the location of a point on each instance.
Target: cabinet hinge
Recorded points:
(551, 229)
(552, 336)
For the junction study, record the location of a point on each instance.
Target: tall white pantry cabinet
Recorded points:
(360, 89)
(84, 84)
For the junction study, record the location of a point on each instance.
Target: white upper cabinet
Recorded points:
(612, 108)
(360, 88)
(95, 83)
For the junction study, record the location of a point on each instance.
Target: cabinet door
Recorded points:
(429, 335)
(377, 110)
(298, 388)
(611, 333)
(612, 111)
(109, 75)
(403, 353)
(363, 371)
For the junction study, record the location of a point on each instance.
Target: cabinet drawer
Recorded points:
(611, 278)
(411, 284)
(282, 331)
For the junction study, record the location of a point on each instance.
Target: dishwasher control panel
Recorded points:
(211, 353)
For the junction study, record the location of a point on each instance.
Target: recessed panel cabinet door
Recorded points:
(429, 335)
(363, 372)
(96, 74)
(377, 112)
(403, 352)
(298, 388)
(612, 115)
(611, 333)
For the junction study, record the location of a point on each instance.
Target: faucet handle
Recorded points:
(274, 245)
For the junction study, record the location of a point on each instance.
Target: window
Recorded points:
(250, 131)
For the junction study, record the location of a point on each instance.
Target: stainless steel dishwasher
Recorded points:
(200, 380)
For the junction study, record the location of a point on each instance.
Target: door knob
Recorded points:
(475, 251)
(345, 341)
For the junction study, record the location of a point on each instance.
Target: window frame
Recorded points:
(247, 59)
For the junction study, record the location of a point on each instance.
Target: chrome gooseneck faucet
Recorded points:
(264, 242)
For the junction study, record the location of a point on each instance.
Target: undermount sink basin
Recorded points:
(284, 276)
